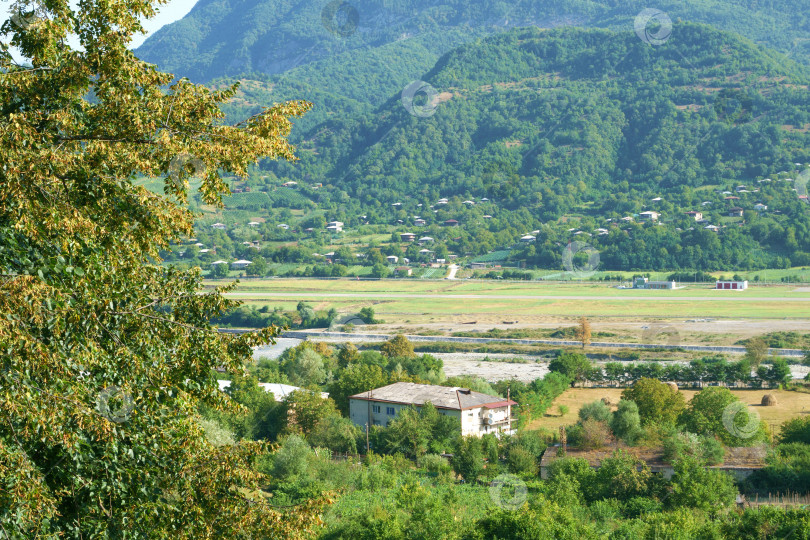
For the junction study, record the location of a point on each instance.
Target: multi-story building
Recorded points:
(478, 413)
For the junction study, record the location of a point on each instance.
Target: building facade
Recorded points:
(477, 413)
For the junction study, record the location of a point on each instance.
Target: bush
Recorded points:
(626, 422)
(434, 463)
(595, 434)
(520, 461)
(795, 430)
(596, 410)
(706, 449)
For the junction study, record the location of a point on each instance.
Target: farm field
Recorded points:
(426, 302)
(790, 405)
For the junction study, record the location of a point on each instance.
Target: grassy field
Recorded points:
(422, 301)
(790, 405)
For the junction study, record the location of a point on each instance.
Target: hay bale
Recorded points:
(606, 401)
(673, 385)
(769, 400)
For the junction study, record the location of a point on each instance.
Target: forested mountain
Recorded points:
(552, 124)
(237, 37)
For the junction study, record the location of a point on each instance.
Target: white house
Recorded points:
(649, 215)
(731, 285)
(478, 413)
(218, 226)
(759, 207)
(528, 238)
(697, 216)
(279, 391)
(393, 259)
(334, 226)
(240, 264)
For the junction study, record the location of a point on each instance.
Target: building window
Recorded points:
(377, 423)
(390, 411)
(375, 408)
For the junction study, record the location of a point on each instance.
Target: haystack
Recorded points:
(673, 385)
(769, 400)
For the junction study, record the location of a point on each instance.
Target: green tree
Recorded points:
(305, 409)
(354, 379)
(756, 350)
(706, 449)
(695, 486)
(595, 410)
(717, 411)
(468, 458)
(306, 368)
(347, 354)
(626, 422)
(621, 476)
(105, 353)
(398, 347)
(657, 402)
(257, 267)
(335, 433)
(219, 271)
(380, 271)
(795, 430)
(573, 365)
(291, 458)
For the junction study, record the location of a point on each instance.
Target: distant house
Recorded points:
(240, 264)
(403, 271)
(425, 240)
(215, 263)
(283, 226)
(487, 216)
(627, 218)
(419, 222)
(334, 226)
(714, 228)
(254, 224)
(735, 212)
(204, 251)
(218, 226)
(697, 216)
(528, 239)
(759, 207)
(731, 285)
(407, 237)
(279, 391)
(477, 413)
(469, 203)
(451, 223)
(392, 259)
(649, 216)
(289, 184)
(644, 283)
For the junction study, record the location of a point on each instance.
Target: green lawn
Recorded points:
(575, 300)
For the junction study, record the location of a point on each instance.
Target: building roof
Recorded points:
(442, 397)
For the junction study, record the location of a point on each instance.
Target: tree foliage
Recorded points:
(657, 402)
(107, 355)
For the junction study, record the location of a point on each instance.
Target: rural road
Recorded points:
(374, 294)
(453, 271)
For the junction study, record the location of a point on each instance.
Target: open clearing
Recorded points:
(702, 316)
(791, 404)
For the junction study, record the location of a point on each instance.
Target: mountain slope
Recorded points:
(570, 105)
(236, 37)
